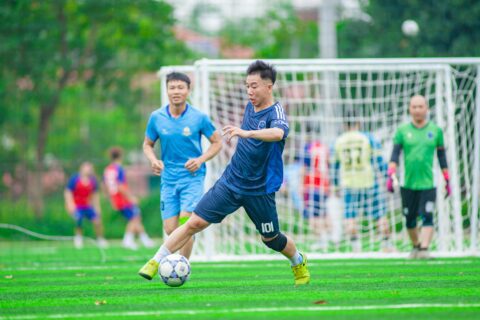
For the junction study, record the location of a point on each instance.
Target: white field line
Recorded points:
(245, 310)
(244, 265)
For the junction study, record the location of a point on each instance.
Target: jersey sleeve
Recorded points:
(94, 184)
(207, 126)
(121, 175)
(440, 141)
(151, 131)
(71, 183)
(398, 138)
(279, 120)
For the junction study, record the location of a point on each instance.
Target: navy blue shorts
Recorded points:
(130, 212)
(87, 212)
(220, 201)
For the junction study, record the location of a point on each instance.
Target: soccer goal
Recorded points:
(319, 96)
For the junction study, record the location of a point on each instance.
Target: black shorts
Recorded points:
(221, 201)
(418, 203)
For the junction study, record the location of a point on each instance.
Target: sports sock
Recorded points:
(161, 253)
(144, 236)
(128, 237)
(296, 259)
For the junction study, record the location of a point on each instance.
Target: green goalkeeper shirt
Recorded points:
(419, 145)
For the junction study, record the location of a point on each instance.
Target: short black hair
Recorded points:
(174, 76)
(265, 70)
(115, 153)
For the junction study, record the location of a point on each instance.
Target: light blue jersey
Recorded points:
(180, 140)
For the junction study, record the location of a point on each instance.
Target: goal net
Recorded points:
(320, 97)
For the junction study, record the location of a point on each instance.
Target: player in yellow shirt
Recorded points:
(360, 164)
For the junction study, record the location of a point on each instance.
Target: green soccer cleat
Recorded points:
(149, 270)
(301, 273)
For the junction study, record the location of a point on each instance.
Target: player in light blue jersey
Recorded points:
(251, 179)
(179, 127)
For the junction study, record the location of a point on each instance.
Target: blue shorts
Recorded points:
(81, 213)
(181, 196)
(220, 201)
(130, 212)
(314, 204)
(368, 200)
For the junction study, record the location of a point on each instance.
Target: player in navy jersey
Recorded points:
(251, 179)
(179, 128)
(82, 201)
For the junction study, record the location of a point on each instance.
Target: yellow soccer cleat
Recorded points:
(301, 273)
(149, 270)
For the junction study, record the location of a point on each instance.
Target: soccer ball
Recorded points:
(174, 270)
(410, 28)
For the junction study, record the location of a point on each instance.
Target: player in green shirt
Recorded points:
(419, 139)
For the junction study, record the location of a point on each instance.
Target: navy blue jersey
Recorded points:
(256, 167)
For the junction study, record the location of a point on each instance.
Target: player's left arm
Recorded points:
(193, 165)
(377, 156)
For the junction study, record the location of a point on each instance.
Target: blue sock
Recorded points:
(296, 259)
(161, 253)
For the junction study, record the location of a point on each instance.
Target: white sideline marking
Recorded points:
(327, 263)
(246, 310)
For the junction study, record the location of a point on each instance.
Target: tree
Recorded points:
(49, 46)
(447, 29)
(280, 33)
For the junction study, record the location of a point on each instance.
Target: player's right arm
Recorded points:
(392, 179)
(151, 136)
(157, 164)
(68, 195)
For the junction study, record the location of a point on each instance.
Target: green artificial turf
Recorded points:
(43, 279)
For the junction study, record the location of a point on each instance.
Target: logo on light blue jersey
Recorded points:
(262, 124)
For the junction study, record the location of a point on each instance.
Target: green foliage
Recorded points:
(447, 29)
(278, 34)
(57, 51)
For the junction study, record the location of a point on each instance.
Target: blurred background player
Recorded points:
(291, 186)
(315, 192)
(419, 139)
(358, 159)
(82, 201)
(179, 128)
(124, 201)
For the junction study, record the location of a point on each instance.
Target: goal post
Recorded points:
(318, 97)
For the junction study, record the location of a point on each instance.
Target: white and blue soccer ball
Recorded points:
(174, 270)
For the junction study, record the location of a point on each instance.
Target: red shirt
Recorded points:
(82, 190)
(114, 177)
(316, 167)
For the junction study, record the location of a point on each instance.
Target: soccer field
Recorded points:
(52, 280)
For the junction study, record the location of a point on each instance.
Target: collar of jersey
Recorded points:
(184, 111)
(264, 110)
(417, 128)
